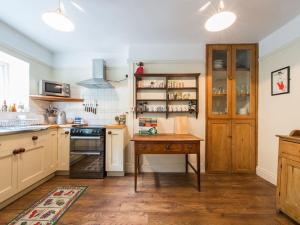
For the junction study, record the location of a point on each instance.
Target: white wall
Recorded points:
(277, 114)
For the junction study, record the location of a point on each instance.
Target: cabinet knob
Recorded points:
(67, 132)
(109, 132)
(22, 150)
(16, 151)
(34, 138)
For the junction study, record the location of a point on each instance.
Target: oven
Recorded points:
(53, 88)
(87, 152)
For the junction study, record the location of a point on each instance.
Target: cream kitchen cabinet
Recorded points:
(51, 152)
(115, 147)
(22, 161)
(63, 149)
(8, 172)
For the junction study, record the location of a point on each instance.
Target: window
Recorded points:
(14, 81)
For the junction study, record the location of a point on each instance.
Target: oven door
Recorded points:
(87, 157)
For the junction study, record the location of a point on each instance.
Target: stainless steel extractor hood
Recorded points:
(98, 79)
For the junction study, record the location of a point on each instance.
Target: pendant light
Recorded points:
(221, 20)
(58, 20)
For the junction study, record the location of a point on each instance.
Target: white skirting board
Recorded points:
(267, 175)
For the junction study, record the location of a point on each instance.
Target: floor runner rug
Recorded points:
(50, 208)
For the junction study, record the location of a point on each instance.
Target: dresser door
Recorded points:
(218, 157)
(243, 146)
(289, 188)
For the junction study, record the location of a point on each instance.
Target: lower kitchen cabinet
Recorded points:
(115, 147)
(31, 166)
(63, 149)
(51, 152)
(231, 146)
(288, 181)
(8, 173)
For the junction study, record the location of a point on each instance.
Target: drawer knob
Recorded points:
(16, 151)
(109, 132)
(34, 138)
(67, 132)
(22, 150)
(168, 146)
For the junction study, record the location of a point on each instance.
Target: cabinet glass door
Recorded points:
(218, 82)
(243, 81)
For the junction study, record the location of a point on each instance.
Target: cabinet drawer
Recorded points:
(25, 140)
(289, 148)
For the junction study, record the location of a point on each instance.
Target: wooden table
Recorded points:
(167, 144)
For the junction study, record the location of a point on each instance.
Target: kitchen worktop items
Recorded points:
(61, 118)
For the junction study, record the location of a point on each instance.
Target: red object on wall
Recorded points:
(140, 69)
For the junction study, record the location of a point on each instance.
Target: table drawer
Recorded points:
(165, 148)
(290, 148)
(190, 148)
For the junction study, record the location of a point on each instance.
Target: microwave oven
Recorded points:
(53, 88)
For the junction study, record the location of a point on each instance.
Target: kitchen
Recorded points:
(154, 121)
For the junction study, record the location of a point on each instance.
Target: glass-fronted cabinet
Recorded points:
(219, 85)
(243, 80)
(231, 85)
(231, 81)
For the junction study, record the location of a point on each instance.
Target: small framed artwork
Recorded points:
(280, 80)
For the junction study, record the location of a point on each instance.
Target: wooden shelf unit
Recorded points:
(231, 115)
(167, 76)
(55, 98)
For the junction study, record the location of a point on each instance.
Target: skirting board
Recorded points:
(266, 175)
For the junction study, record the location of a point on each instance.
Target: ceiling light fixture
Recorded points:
(221, 20)
(58, 20)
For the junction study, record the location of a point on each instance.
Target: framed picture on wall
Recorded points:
(280, 81)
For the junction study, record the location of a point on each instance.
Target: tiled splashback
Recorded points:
(111, 102)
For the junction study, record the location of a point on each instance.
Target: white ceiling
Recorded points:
(113, 23)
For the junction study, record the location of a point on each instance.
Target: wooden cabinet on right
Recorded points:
(288, 181)
(231, 108)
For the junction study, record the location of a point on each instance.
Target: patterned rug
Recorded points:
(50, 208)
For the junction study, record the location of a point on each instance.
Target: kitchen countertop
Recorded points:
(16, 130)
(115, 126)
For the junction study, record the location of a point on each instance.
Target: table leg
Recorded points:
(186, 163)
(198, 170)
(138, 165)
(135, 171)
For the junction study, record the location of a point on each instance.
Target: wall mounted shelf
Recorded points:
(167, 77)
(55, 98)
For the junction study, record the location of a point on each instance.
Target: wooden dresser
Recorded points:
(288, 181)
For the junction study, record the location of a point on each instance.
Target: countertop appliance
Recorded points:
(87, 152)
(61, 118)
(53, 88)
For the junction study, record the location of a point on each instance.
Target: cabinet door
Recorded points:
(8, 173)
(219, 81)
(289, 188)
(218, 157)
(244, 81)
(51, 157)
(31, 166)
(115, 150)
(63, 149)
(243, 146)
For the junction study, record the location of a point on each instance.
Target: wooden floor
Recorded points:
(164, 199)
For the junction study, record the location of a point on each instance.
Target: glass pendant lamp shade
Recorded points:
(220, 21)
(58, 21)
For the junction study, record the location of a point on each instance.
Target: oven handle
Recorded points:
(84, 138)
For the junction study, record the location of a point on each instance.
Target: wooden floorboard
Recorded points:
(164, 199)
